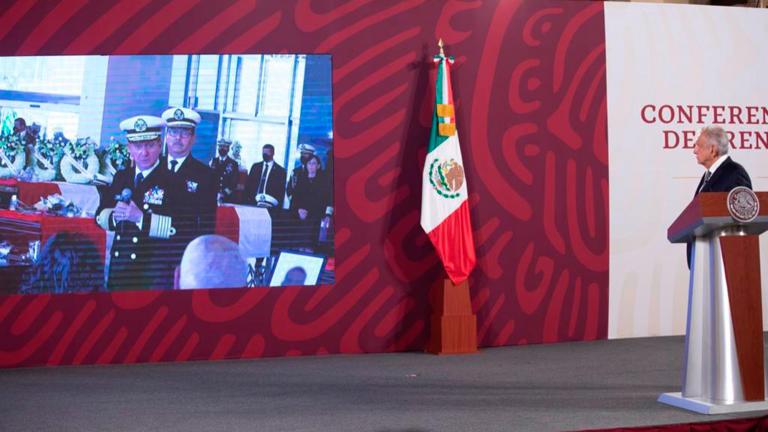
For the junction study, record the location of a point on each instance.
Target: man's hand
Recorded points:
(129, 212)
(303, 213)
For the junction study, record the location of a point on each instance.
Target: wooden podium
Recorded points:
(723, 367)
(453, 324)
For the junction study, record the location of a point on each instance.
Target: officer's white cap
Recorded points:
(181, 117)
(306, 148)
(142, 127)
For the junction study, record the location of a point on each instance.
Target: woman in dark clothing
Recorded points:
(310, 203)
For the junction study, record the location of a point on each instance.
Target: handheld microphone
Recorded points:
(124, 196)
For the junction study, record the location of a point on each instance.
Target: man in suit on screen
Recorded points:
(722, 173)
(265, 186)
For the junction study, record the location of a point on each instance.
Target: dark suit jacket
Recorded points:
(728, 176)
(313, 195)
(195, 192)
(275, 184)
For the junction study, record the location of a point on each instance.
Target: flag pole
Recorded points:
(453, 325)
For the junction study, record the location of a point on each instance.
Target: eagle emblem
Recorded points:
(446, 177)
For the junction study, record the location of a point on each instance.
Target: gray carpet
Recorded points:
(565, 386)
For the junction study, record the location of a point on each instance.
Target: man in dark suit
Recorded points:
(226, 171)
(265, 186)
(722, 174)
(21, 130)
(139, 208)
(195, 183)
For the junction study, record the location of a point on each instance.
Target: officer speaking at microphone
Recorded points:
(194, 182)
(138, 208)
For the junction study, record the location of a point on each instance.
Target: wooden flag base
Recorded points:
(454, 326)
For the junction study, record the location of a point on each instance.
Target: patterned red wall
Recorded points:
(529, 81)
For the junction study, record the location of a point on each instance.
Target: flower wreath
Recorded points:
(45, 159)
(79, 162)
(12, 159)
(113, 158)
(117, 156)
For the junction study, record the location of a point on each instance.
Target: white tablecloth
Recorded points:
(84, 196)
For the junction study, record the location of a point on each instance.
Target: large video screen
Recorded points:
(165, 172)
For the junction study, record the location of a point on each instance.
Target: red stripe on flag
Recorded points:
(455, 244)
(228, 223)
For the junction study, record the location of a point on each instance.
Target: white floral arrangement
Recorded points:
(234, 153)
(79, 162)
(58, 205)
(12, 156)
(45, 159)
(115, 157)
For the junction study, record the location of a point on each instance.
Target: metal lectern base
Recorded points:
(703, 406)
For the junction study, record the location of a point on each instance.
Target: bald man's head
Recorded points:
(212, 261)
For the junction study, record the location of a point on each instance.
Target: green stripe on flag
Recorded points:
(439, 82)
(436, 139)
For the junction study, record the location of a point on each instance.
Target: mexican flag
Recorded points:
(444, 207)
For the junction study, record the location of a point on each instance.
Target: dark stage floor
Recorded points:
(527, 388)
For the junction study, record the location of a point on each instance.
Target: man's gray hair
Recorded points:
(212, 261)
(717, 137)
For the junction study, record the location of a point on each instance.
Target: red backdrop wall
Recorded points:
(529, 81)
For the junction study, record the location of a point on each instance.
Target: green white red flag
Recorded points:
(444, 207)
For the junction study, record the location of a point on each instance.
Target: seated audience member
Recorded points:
(212, 261)
(294, 277)
(67, 263)
(311, 203)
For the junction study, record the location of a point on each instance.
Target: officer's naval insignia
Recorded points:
(178, 114)
(743, 204)
(140, 125)
(228, 169)
(191, 186)
(446, 178)
(154, 196)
